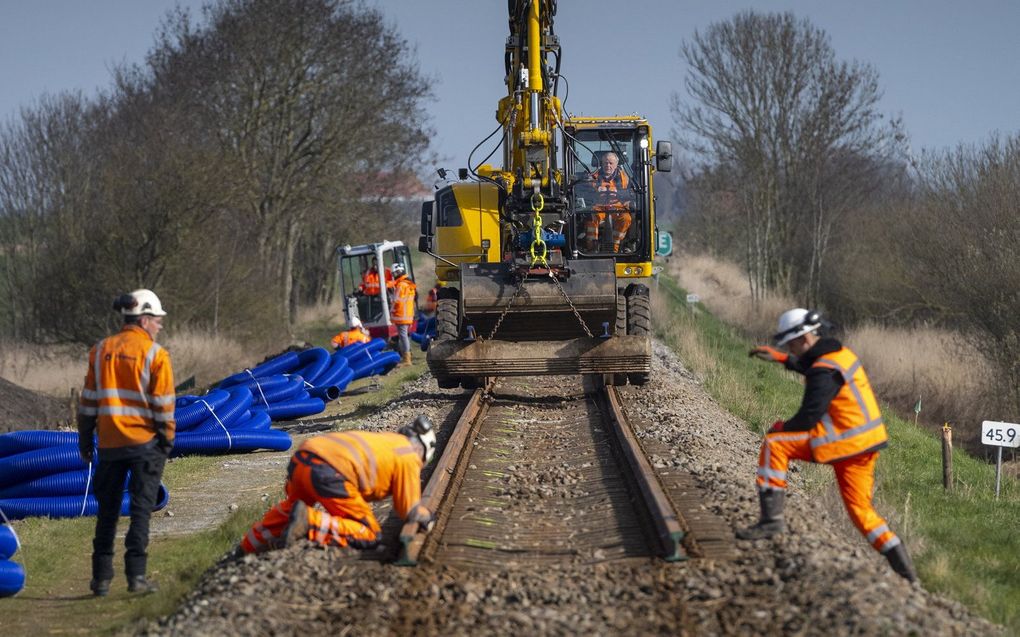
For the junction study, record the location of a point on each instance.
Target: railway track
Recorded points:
(534, 475)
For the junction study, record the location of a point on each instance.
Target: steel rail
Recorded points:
(412, 537)
(668, 525)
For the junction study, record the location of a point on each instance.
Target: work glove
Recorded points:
(165, 446)
(426, 526)
(85, 451)
(771, 354)
(777, 427)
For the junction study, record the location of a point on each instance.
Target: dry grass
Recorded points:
(55, 370)
(321, 313)
(935, 364)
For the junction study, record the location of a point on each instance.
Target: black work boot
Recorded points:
(771, 522)
(297, 528)
(138, 584)
(100, 587)
(900, 562)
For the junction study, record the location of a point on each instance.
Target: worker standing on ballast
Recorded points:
(128, 401)
(403, 310)
(838, 423)
(343, 472)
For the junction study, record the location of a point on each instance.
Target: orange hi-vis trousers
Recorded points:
(855, 476)
(347, 520)
(621, 223)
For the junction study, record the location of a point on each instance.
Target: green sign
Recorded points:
(663, 243)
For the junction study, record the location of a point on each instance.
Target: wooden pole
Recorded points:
(947, 457)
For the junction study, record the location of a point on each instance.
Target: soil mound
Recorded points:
(22, 409)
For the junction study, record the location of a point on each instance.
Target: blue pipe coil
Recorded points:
(12, 578)
(39, 462)
(351, 350)
(68, 506)
(243, 440)
(377, 365)
(335, 370)
(240, 400)
(63, 483)
(346, 376)
(8, 542)
(283, 388)
(296, 408)
(327, 393)
(22, 441)
(313, 363)
(253, 420)
(189, 410)
(281, 364)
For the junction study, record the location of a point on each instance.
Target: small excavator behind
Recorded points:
(545, 256)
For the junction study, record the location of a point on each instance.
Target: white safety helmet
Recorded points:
(796, 323)
(398, 269)
(422, 429)
(355, 322)
(139, 303)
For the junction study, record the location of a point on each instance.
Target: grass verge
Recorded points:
(963, 541)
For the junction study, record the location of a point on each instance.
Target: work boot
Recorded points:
(138, 584)
(297, 528)
(405, 360)
(771, 522)
(900, 562)
(100, 587)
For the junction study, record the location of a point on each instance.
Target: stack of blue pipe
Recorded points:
(12, 575)
(424, 330)
(41, 473)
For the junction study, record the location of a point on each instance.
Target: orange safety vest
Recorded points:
(350, 337)
(403, 301)
(370, 282)
(380, 464)
(853, 423)
(129, 388)
(432, 301)
(609, 188)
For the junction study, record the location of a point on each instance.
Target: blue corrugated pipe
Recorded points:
(12, 578)
(68, 506)
(278, 365)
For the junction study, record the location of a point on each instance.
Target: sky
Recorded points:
(950, 69)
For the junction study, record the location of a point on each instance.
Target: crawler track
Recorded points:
(534, 475)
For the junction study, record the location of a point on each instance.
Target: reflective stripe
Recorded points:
(147, 367)
(403, 451)
(786, 436)
(889, 544)
(87, 411)
(830, 430)
(877, 533)
(765, 472)
(848, 380)
(163, 416)
(125, 410)
(849, 433)
(254, 540)
(127, 394)
(369, 455)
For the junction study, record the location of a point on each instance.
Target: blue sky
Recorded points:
(950, 69)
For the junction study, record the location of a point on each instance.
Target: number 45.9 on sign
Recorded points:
(1000, 434)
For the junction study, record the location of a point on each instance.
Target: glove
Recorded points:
(426, 526)
(770, 354)
(777, 427)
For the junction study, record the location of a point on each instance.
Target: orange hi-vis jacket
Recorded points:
(379, 464)
(403, 300)
(129, 391)
(370, 282)
(853, 423)
(350, 337)
(612, 190)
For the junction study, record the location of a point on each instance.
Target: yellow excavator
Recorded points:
(544, 256)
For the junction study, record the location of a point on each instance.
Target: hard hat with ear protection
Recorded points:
(423, 430)
(398, 269)
(139, 303)
(796, 323)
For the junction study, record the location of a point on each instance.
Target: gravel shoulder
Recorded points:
(817, 579)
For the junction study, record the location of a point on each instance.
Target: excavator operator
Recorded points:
(613, 199)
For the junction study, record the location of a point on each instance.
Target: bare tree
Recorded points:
(796, 129)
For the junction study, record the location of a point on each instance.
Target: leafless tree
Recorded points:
(797, 130)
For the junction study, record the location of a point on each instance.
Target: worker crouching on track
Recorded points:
(838, 423)
(128, 400)
(357, 334)
(343, 472)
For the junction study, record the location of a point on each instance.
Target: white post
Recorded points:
(998, 471)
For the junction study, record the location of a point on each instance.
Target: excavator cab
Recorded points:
(366, 283)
